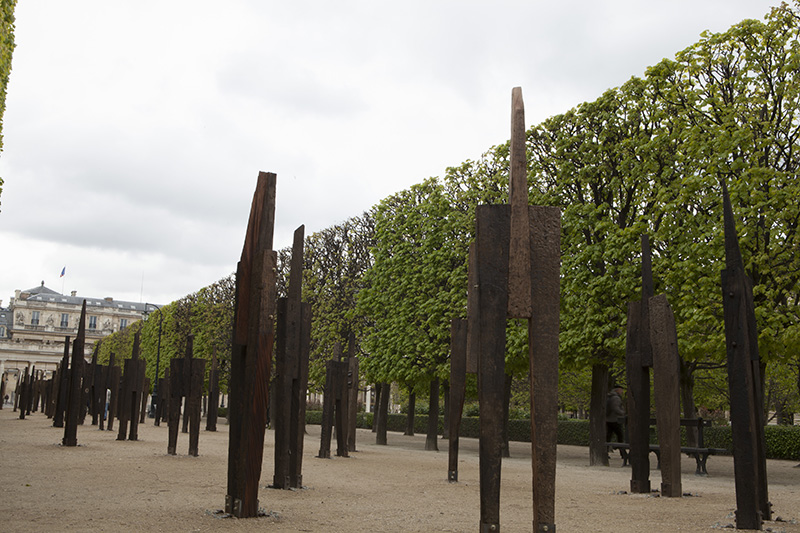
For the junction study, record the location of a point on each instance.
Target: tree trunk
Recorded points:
(383, 415)
(506, 403)
(687, 399)
(598, 455)
(412, 405)
(376, 407)
(431, 440)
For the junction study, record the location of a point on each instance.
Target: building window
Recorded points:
(2, 332)
(64, 320)
(35, 318)
(92, 322)
(123, 323)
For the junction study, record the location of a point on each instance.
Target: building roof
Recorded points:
(44, 294)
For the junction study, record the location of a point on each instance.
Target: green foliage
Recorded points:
(574, 432)
(415, 286)
(336, 260)
(206, 314)
(7, 46)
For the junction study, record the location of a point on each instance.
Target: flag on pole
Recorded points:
(63, 271)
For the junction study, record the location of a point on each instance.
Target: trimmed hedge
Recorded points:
(782, 442)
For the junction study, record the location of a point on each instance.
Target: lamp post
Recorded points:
(155, 399)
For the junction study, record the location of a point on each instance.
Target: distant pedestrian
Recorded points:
(614, 412)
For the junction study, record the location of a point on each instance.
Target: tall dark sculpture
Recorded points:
(129, 401)
(253, 337)
(744, 383)
(213, 394)
(22, 393)
(187, 377)
(639, 359)
(60, 395)
(291, 379)
(517, 263)
(352, 392)
(458, 384)
(666, 386)
(77, 364)
(334, 406)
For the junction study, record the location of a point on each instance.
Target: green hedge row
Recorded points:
(782, 442)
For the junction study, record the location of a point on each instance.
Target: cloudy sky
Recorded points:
(134, 130)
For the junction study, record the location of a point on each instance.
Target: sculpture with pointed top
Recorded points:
(744, 382)
(514, 273)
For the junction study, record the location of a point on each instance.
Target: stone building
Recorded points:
(37, 321)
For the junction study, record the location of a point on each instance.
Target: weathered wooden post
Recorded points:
(213, 393)
(114, 387)
(176, 394)
(194, 395)
(251, 356)
(352, 392)
(29, 390)
(744, 383)
(328, 405)
(75, 377)
(517, 262)
(22, 393)
(666, 383)
(60, 396)
(291, 377)
(458, 385)
(132, 381)
(639, 359)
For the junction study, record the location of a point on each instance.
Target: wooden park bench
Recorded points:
(700, 452)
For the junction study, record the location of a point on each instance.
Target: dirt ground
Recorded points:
(106, 485)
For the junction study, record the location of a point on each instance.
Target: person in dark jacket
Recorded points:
(615, 411)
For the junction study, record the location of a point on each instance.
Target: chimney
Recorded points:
(74, 293)
(109, 299)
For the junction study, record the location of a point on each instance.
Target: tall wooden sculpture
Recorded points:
(458, 384)
(129, 401)
(744, 382)
(187, 377)
(517, 261)
(352, 392)
(334, 407)
(639, 359)
(292, 347)
(253, 337)
(213, 394)
(666, 386)
(73, 406)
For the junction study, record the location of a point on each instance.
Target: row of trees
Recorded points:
(647, 157)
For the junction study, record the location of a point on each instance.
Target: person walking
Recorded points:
(614, 412)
